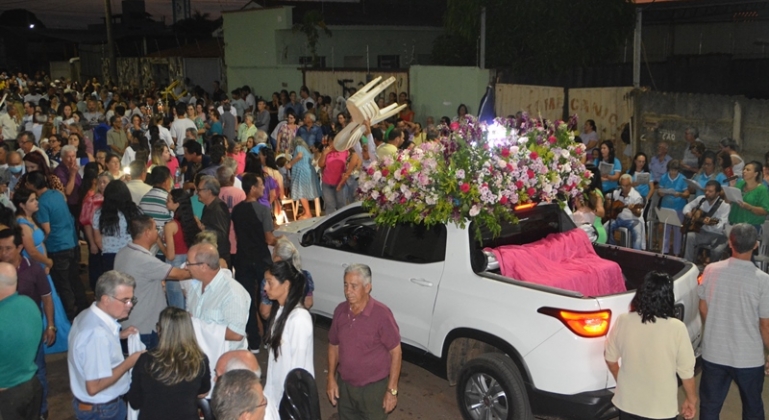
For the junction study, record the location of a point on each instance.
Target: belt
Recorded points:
(84, 406)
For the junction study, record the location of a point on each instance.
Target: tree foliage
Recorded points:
(546, 36)
(312, 25)
(198, 25)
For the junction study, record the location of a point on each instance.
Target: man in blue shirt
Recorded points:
(60, 242)
(295, 105)
(311, 133)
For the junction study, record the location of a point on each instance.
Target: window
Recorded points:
(416, 244)
(356, 233)
(388, 61)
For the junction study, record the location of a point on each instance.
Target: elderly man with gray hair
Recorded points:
(734, 305)
(68, 174)
(216, 214)
(238, 395)
(690, 164)
(98, 372)
(311, 133)
(363, 383)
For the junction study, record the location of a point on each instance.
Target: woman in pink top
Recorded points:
(334, 165)
(236, 152)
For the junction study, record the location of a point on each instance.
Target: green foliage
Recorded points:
(312, 25)
(547, 36)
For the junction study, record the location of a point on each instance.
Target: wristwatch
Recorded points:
(53, 328)
(393, 392)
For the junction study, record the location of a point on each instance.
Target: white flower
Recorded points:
(377, 176)
(460, 174)
(502, 164)
(374, 194)
(474, 210)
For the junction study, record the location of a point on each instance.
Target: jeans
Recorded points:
(65, 275)
(714, 386)
(115, 410)
(352, 189)
(174, 293)
(634, 227)
(21, 401)
(42, 376)
(108, 261)
(676, 236)
(714, 240)
(334, 199)
(249, 275)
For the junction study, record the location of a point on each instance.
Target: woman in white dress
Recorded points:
(290, 335)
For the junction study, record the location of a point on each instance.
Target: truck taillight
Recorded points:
(584, 324)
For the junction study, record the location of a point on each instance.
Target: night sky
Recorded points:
(79, 13)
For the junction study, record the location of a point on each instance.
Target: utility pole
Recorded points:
(637, 49)
(110, 41)
(482, 60)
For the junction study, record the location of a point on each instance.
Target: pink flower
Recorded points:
(454, 126)
(465, 188)
(519, 184)
(533, 155)
(552, 139)
(385, 172)
(505, 153)
(370, 170)
(503, 200)
(531, 191)
(530, 173)
(510, 167)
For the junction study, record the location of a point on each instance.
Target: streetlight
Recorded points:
(31, 26)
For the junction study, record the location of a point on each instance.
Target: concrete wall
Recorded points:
(264, 81)
(737, 38)
(249, 36)
(665, 116)
(411, 44)
(437, 91)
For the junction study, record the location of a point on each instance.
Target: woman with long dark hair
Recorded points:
(167, 381)
(179, 235)
(654, 346)
(32, 234)
(34, 161)
(91, 195)
(609, 180)
(83, 157)
(112, 220)
(290, 336)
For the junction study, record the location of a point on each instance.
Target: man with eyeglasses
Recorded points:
(98, 372)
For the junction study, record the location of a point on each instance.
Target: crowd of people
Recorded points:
(178, 202)
(692, 188)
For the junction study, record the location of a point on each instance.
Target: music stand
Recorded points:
(668, 217)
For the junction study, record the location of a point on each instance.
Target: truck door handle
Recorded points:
(422, 282)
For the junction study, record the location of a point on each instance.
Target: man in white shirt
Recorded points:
(98, 372)
(26, 143)
(249, 98)
(217, 298)
(136, 186)
(28, 120)
(179, 128)
(163, 132)
(304, 92)
(631, 216)
(9, 123)
(715, 216)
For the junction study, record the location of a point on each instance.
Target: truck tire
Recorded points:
(491, 388)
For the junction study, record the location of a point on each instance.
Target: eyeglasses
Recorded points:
(126, 301)
(189, 264)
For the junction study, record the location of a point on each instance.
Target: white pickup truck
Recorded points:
(507, 344)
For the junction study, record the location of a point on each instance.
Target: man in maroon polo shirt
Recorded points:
(365, 348)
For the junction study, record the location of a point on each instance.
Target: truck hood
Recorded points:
(299, 227)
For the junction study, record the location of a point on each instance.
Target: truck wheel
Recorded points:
(491, 388)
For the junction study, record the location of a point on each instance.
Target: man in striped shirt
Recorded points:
(153, 203)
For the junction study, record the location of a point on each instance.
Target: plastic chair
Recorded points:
(204, 405)
(300, 397)
(762, 258)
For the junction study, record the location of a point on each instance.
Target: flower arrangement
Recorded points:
(478, 172)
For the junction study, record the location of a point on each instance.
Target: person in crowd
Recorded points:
(137, 185)
(725, 165)
(658, 165)
(651, 331)
(715, 216)
(179, 235)
(254, 166)
(225, 303)
(304, 183)
(295, 106)
(287, 133)
(197, 113)
(216, 214)
(9, 123)
(215, 127)
(229, 120)
(589, 135)
(101, 158)
(246, 129)
(238, 395)
(364, 385)
(766, 170)
(690, 163)
(588, 209)
(253, 228)
(32, 282)
(290, 336)
(236, 152)
(54, 148)
(631, 216)
(137, 149)
(334, 166)
(194, 162)
(166, 381)
(111, 223)
(462, 113)
(641, 166)
(34, 161)
(730, 146)
(112, 162)
(262, 116)
(76, 140)
(32, 234)
(311, 133)
(390, 149)
(734, 306)
(59, 227)
(137, 261)
(284, 250)
(117, 138)
(26, 143)
(754, 206)
(609, 180)
(707, 173)
(673, 192)
(270, 168)
(92, 191)
(20, 324)
(234, 360)
(179, 128)
(98, 371)
(161, 156)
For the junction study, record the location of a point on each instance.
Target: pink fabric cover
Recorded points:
(564, 260)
